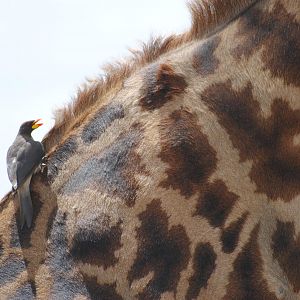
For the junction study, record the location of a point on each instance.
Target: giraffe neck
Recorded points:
(183, 182)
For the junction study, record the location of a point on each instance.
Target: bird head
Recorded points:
(29, 126)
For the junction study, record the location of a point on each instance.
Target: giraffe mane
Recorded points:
(207, 17)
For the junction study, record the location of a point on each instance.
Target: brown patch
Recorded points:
(106, 115)
(246, 280)
(11, 267)
(204, 263)
(162, 85)
(204, 60)
(100, 291)
(267, 142)
(187, 151)
(277, 33)
(113, 170)
(230, 235)
(286, 249)
(95, 242)
(66, 281)
(25, 291)
(61, 155)
(161, 250)
(14, 233)
(215, 203)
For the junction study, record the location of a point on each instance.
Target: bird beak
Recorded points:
(36, 124)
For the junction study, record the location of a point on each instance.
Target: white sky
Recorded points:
(49, 47)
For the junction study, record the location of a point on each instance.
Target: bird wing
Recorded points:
(28, 158)
(12, 171)
(11, 159)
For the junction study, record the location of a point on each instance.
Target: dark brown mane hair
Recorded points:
(207, 17)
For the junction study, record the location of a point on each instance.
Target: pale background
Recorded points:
(49, 47)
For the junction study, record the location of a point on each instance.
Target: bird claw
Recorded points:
(43, 163)
(44, 159)
(43, 167)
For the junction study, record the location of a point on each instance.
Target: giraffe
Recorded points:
(175, 177)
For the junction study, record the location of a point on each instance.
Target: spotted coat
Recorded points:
(177, 176)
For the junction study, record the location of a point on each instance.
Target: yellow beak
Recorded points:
(36, 124)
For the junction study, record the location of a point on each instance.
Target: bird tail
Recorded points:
(26, 211)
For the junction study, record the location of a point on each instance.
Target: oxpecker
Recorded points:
(23, 157)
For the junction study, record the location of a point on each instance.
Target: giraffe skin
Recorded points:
(180, 179)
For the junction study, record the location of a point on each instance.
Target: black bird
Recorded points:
(23, 157)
